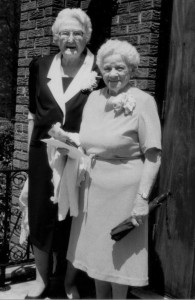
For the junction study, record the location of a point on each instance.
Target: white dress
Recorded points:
(117, 144)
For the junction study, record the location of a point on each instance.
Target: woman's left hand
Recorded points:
(63, 151)
(139, 211)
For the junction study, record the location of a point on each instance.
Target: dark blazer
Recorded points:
(48, 102)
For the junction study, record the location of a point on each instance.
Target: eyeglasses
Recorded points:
(66, 34)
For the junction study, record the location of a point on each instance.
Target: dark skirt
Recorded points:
(43, 222)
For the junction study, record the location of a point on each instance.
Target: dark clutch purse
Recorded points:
(122, 229)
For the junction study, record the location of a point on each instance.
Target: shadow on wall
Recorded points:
(101, 13)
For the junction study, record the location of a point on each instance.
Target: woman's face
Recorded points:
(115, 72)
(72, 40)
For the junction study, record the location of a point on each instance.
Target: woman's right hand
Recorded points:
(139, 212)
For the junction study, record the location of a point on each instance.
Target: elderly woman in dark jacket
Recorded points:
(56, 94)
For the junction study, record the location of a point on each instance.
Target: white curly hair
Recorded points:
(124, 48)
(72, 13)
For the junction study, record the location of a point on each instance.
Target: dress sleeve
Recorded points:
(149, 128)
(32, 87)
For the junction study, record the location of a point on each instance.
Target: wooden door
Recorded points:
(174, 239)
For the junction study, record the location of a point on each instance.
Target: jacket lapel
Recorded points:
(80, 78)
(55, 84)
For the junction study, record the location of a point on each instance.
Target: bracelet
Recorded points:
(144, 196)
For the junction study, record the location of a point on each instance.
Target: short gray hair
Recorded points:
(124, 48)
(74, 13)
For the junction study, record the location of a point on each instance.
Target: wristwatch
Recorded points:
(144, 196)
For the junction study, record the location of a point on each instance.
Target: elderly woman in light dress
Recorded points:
(121, 136)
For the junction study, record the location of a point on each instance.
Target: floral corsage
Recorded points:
(124, 102)
(91, 82)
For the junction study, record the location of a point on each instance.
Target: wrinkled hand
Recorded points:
(140, 210)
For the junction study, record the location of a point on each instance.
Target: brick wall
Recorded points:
(9, 29)
(137, 21)
(35, 39)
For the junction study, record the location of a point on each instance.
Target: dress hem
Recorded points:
(109, 278)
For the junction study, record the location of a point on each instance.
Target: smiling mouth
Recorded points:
(70, 47)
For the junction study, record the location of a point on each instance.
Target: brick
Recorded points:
(152, 73)
(115, 20)
(22, 53)
(135, 6)
(147, 50)
(133, 39)
(45, 3)
(17, 145)
(142, 84)
(26, 43)
(84, 4)
(25, 128)
(20, 117)
(22, 81)
(144, 61)
(146, 84)
(19, 164)
(20, 108)
(21, 146)
(157, 3)
(151, 85)
(149, 27)
(24, 62)
(123, 8)
(22, 90)
(36, 14)
(119, 30)
(152, 61)
(28, 6)
(34, 52)
(48, 11)
(72, 3)
(133, 29)
(28, 24)
(24, 16)
(142, 72)
(18, 127)
(21, 72)
(21, 137)
(47, 31)
(23, 34)
(27, 71)
(45, 22)
(149, 38)
(150, 15)
(148, 4)
(129, 19)
(45, 41)
(35, 33)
